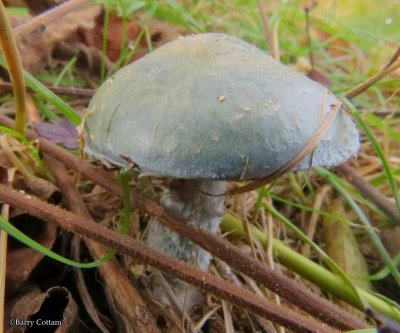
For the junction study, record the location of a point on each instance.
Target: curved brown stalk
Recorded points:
(128, 301)
(145, 255)
(283, 286)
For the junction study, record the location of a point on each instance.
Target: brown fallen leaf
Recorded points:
(36, 48)
(56, 307)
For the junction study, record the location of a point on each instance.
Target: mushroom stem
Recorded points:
(189, 199)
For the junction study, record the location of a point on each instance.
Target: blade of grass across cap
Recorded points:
(17, 234)
(332, 179)
(67, 111)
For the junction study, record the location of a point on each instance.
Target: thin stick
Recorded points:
(49, 16)
(269, 34)
(85, 92)
(274, 281)
(369, 191)
(5, 210)
(123, 293)
(145, 255)
(11, 54)
(395, 57)
(357, 90)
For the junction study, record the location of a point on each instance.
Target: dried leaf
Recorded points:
(61, 131)
(43, 189)
(56, 306)
(342, 247)
(36, 48)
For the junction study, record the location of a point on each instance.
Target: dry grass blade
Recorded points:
(143, 254)
(357, 90)
(222, 249)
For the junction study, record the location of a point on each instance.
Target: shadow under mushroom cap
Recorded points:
(212, 106)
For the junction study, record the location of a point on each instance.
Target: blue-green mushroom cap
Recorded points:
(212, 106)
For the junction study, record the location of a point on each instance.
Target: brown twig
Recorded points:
(357, 90)
(127, 300)
(394, 58)
(145, 255)
(56, 89)
(370, 192)
(49, 16)
(307, 16)
(269, 34)
(276, 282)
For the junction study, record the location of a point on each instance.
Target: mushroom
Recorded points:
(205, 109)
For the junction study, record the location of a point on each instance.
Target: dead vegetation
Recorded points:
(258, 280)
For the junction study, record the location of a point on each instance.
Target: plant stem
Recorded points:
(10, 50)
(308, 269)
(280, 284)
(145, 255)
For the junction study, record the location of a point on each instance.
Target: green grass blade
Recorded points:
(48, 95)
(17, 234)
(385, 271)
(357, 209)
(33, 150)
(378, 150)
(327, 260)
